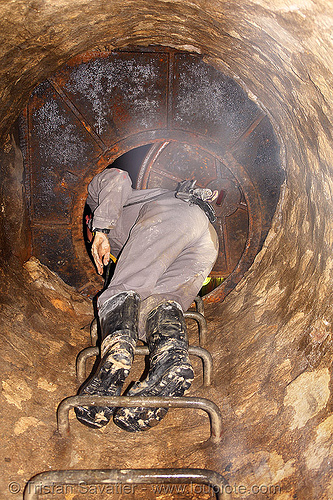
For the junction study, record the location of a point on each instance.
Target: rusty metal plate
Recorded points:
(260, 153)
(170, 162)
(116, 94)
(208, 102)
(59, 149)
(53, 246)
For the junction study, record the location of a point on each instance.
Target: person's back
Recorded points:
(166, 248)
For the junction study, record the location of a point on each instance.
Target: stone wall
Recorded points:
(272, 337)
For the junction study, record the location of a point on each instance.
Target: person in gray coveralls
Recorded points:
(166, 247)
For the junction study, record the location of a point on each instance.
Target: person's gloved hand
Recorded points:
(100, 250)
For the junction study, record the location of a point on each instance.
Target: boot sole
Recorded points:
(174, 382)
(87, 414)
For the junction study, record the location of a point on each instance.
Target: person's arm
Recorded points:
(107, 194)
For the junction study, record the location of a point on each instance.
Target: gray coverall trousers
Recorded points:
(166, 247)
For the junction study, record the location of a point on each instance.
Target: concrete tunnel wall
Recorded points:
(272, 337)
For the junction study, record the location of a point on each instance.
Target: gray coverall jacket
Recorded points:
(165, 247)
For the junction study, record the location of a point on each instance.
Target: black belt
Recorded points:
(194, 196)
(186, 192)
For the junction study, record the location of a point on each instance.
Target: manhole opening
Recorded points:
(165, 116)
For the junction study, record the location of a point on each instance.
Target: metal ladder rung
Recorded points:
(88, 352)
(199, 304)
(129, 477)
(202, 325)
(197, 315)
(142, 402)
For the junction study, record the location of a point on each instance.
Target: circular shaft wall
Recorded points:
(273, 344)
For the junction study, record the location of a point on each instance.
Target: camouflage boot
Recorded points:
(170, 372)
(119, 332)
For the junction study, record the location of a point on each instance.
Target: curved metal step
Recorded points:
(146, 402)
(200, 352)
(72, 479)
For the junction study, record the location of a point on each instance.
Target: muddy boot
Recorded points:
(170, 372)
(119, 326)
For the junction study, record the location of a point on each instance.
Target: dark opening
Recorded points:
(132, 161)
